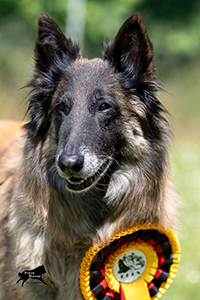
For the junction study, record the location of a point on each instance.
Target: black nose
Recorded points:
(70, 164)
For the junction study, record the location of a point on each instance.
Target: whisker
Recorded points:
(108, 157)
(99, 189)
(116, 162)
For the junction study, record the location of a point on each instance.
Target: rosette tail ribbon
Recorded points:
(134, 291)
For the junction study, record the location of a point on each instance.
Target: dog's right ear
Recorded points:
(53, 53)
(51, 44)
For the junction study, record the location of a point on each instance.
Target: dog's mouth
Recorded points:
(78, 184)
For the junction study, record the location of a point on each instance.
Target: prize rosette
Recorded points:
(139, 262)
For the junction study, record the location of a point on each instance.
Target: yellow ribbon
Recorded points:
(136, 290)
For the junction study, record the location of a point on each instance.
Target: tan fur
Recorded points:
(10, 132)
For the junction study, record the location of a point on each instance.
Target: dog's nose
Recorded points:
(70, 164)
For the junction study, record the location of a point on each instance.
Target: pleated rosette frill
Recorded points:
(139, 262)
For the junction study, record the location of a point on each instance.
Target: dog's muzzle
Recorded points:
(71, 168)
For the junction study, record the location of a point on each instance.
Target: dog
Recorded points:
(33, 274)
(92, 160)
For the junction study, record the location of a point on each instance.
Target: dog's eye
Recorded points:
(60, 107)
(104, 106)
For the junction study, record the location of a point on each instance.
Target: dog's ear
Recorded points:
(131, 51)
(51, 44)
(53, 53)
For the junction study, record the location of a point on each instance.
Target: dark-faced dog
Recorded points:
(92, 160)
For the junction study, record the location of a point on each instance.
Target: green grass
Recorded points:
(184, 105)
(186, 175)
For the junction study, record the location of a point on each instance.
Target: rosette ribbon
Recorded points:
(139, 262)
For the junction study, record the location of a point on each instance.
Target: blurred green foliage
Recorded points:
(174, 25)
(174, 29)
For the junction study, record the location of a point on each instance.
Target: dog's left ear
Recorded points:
(131, 51)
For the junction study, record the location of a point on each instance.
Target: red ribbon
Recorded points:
(122, 297)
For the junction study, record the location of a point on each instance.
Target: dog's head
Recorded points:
(98, 113)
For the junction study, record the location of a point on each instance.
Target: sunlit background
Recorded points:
(174, 29)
